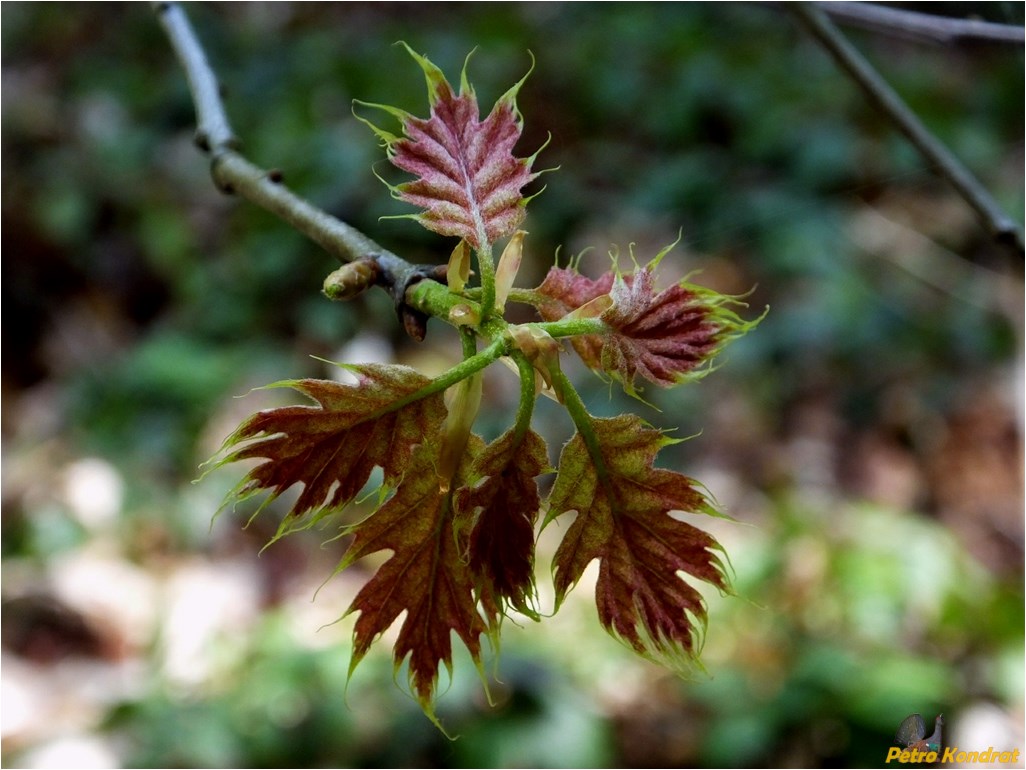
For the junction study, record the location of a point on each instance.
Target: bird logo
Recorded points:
(912, 733)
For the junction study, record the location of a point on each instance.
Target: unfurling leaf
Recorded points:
(623, 507)
(663, 337)
(468, 183)
(331, 448)
(496, 515)
(426, 577)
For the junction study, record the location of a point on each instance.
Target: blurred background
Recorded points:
(866, 438)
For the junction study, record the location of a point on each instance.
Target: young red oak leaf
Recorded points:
(331, 448)
(663, 337)
(426, 577)
(623, 508)
(496, 515)
(467, 182)
(666, 336)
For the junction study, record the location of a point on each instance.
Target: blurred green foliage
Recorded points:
(865, 437)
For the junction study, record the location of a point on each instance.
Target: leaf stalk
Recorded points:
(486, 266)
(528, 395)
(583, 422)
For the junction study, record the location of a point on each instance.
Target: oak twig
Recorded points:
(926, 27)
(234, 174)
(1002, 227)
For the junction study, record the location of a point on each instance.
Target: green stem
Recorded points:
(521, 296)
(435, 299)
(469, 341)
(486, 266)
(583, 422)
(573, 327)
(527, 396)
(461, 371)
(525, 296)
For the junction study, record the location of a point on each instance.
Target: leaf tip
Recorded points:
(432, 74)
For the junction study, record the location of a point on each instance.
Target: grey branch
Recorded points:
(232, 173)
(213, 132)
(923, 26)
(1002, 227)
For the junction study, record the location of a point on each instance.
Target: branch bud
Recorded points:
(351, 279)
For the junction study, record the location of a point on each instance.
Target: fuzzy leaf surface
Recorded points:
(496, 516)
(659, 337)
(623, 507)
(662, 337)
(331, 448)
(467, 180)
(426, 577)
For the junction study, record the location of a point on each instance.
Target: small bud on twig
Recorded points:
(414, 322)
(351, 279)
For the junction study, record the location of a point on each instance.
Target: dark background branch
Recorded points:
(923, 26)
(1002, 227)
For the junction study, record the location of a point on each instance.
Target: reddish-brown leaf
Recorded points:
(426, 577)
(331, 448)
(496, 515)
(468, 182)
(662, 337)
(623, 507)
